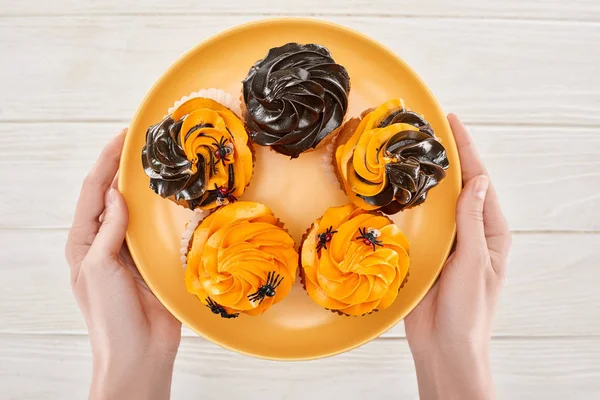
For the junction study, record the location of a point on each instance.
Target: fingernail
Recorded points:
(481, 186)
(110, 196)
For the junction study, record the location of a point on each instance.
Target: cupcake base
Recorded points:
(218, 95)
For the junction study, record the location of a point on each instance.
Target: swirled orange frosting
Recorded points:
(235, 254)
(390, 160)
(354, 261)
(199, 155)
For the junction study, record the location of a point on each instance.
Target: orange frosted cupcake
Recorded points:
(240, 260)
(198, 156)
(354, 261)
(389, 159)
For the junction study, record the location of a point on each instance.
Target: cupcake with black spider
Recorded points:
(199, 156)
(295, 99)
(354, 262)
(239, 259)
(389, 159)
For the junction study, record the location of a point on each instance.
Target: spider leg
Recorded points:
(254, 295)
(278, 283)
(274, 284)
(374, 247)
(269, 276)
(226, 315)
(257, 297)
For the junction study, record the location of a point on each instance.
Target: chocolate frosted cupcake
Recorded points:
(239, 259)
(199, 155)
(354, 261)
(295, 98)
(389, 159)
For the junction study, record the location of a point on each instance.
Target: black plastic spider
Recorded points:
(223, 151)
(224, 195)
(324, 238)
(216, 308)
(369, 237)
(268, 289)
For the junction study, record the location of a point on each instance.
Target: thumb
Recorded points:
(114, 225)
(469, 214)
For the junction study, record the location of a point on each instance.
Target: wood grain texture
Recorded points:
(60, 367)
(551, 286)
(547, 178)
(523, 73)
(507, 72)
(587, 10)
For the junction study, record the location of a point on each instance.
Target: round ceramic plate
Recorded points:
(296, 190)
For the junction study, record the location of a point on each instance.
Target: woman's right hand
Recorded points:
(134, 338)
(449, 332)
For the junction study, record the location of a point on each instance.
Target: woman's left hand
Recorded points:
(134, 338)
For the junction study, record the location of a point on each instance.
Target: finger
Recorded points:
(471, 166)
(110, 237)
(497, 231)
(113, 185)
(469, 217)
(470, 163)
(91, 200)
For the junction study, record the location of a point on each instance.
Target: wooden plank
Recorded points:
(546, 178)
(588, 10)
(488, 71)
(60, 367)
(551, 281)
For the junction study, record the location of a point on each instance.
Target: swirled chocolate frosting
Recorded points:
(199, 155)
(295, 97)
(391, 160)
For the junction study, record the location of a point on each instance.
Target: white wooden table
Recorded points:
(524, 74)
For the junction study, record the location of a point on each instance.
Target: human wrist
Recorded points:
(455, 372)
(128, 376)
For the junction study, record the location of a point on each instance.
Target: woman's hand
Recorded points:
(449, 331)
(134, 338)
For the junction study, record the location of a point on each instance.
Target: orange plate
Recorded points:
(296, 190)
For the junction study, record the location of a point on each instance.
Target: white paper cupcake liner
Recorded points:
(218, 95)
(188, 233)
